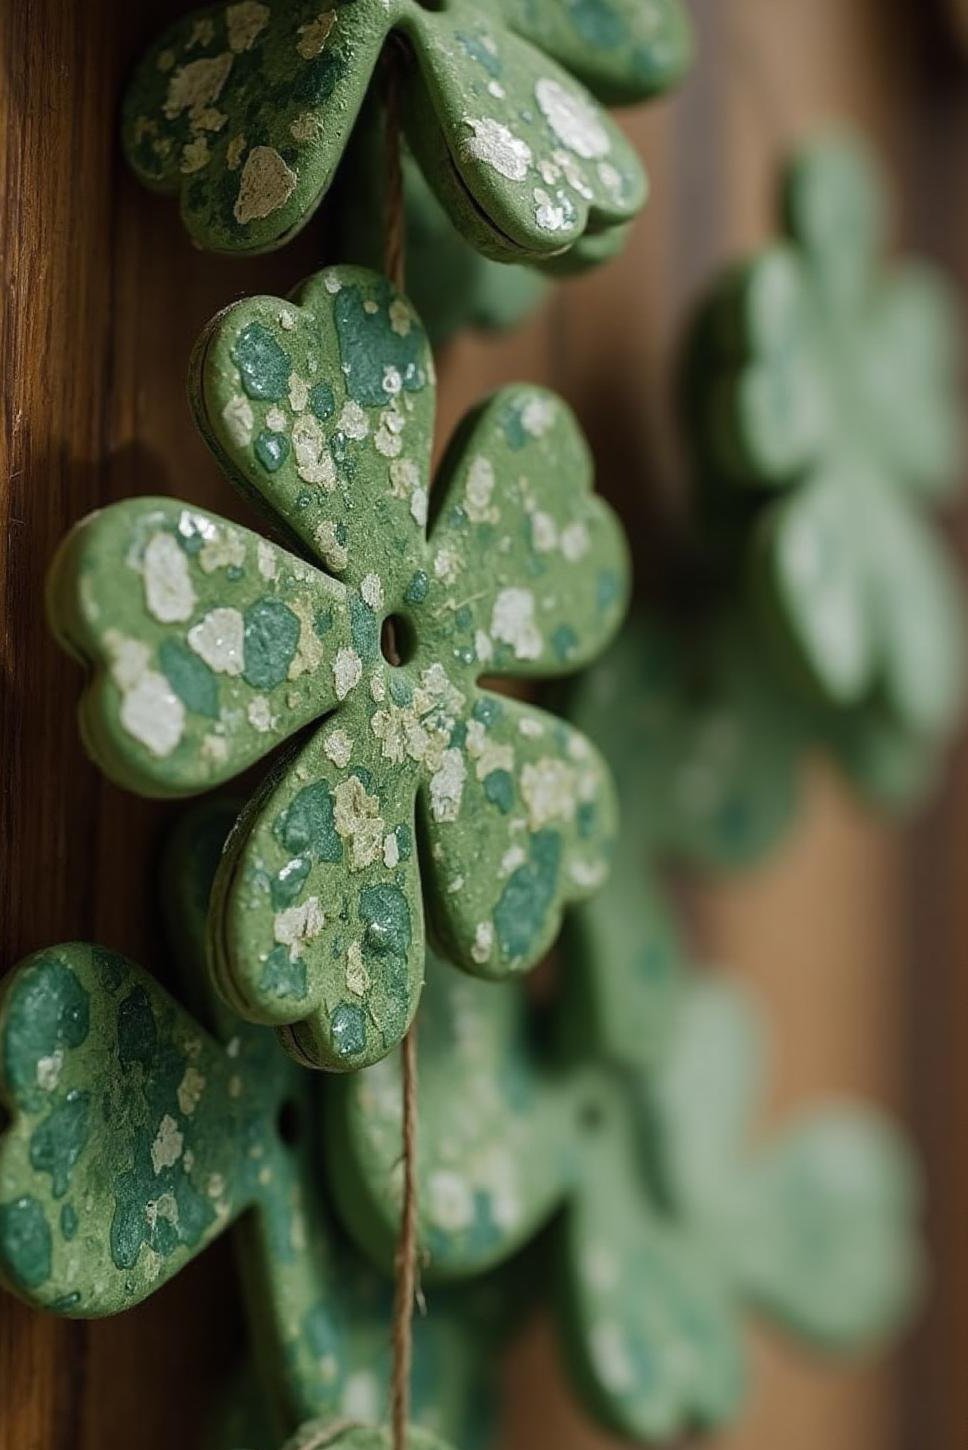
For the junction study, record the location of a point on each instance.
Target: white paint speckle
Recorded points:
(493, 143)
(265, 185)
(218, 639)
(338, 747)
(259, 714)
(371, 590)
(573, 118)
(450, 1201)
(152, 713)
(347, 671)
(169, 592)
(513, 623)
(314, 462)
(479, 490)
(447, 786)
(167, 1147)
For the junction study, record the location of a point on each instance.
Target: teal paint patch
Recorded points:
(272, 450)
(68, 1221)
(499, 790)
(284, 976)
(263, 366)
(349, 1029)
(271, 637)
(519, 916)
(418, 588)
(25, 1242)
(137, 1031)
(386, 918)
(308, 826)
(49, 1014)
(58, 1142)
(370, 347)
(322, 401)
(190, 677)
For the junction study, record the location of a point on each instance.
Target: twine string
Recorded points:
(405, 1261)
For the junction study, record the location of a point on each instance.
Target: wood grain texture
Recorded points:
(102, 300)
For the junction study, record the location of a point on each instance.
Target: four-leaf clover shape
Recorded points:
(137, 1136)
(245, 109)
(667, 1222)
(824, 393)
(418, 787)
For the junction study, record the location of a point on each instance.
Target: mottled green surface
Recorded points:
(244, 110)
(671, 1223)
(136, 1138)
(679, 1223)
(825, 392)
(209, 647)
(704, 740)
(491, 1143)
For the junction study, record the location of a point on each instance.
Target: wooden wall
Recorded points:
(102, 298)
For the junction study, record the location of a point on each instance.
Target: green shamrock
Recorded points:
(825, 394)
(136, 1138)
(210, 646)
(669, 1222)
(246, 109)
(705, 744)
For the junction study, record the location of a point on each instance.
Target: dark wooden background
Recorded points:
(856, 934)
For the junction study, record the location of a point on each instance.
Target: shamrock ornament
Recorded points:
(211, 646)
(706, 745)
(136, 1138)
(824, 388)
(245, 110)
(670, 1222)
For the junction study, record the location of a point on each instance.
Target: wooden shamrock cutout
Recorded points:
(705, 744)
(824, 389)
(245, 109)
(491, 1147)
(677, 1225)
(135, 1138)
(211, 646)
(670, 1224)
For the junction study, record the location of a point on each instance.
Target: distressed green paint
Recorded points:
(635, 1139)
(245, 111)
(825, 394)
(491, 1143)
(501, 794)
(705, 742)
(184, 1130)
(317, 1434)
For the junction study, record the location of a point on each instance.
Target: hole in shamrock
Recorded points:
(288, 1125)
(397, 642)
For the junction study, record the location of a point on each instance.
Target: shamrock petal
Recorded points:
(759, 399)
(623, 50)
(316, 919)
(704, 746)
(704, 1094)
(207, 644)
(821, 1228)
(649, 1328)
(835, 208)
(529, 568)
(490, 1147)
(623, 1012)
(814, 587)
(321, 408)
(521, 156)
(890, 765)
(909, 376)
(517, 827)
(122, 1159)
(244, 110)
(920, 617)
